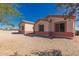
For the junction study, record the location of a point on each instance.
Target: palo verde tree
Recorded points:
(7, 10)
(10, 26)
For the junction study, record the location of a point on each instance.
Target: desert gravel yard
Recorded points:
(25, 45)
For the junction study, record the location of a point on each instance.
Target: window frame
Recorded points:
(58, 29)
(41, 27)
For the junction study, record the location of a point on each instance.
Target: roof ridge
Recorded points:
(27, 21)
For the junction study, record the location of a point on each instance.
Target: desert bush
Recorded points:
(48, 53)
(57, 53)
(15, 54)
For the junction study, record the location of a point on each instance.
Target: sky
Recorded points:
(34, 11)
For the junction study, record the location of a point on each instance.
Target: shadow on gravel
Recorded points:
(16, 33)
(34, 35)
(50, 37)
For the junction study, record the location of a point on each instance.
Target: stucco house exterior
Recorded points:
(26, 27)
(55, 26)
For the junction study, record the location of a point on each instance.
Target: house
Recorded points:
(26, 27)
(55, 26)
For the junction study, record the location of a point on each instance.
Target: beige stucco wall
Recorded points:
(29, 27)
(55, 20)
(70, 24)
(46, 26)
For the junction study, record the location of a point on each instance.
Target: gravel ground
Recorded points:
(11, 44)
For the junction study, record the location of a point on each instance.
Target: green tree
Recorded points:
(70, 8)
(10, 26)
(7, 10)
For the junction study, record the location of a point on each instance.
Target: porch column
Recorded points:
(50, 27)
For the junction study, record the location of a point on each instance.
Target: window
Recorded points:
(60, 27)
(41, 28)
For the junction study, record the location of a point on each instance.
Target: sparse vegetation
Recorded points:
(52, 52)
(15, 54)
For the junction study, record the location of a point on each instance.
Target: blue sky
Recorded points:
(35, 11)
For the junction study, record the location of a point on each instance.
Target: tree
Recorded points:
(10, 26)
(8, 10)
(70, 8)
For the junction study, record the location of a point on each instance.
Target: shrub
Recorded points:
(49, 53)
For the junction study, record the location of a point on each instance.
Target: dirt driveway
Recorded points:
(25, 45)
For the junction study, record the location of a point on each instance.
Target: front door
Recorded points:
(22, 28)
